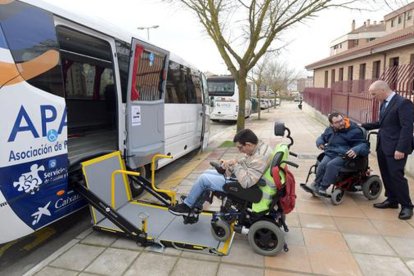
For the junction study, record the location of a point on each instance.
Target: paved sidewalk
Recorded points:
(350, 239)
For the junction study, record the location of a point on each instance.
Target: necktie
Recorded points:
(382, 109)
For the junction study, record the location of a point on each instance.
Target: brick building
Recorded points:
(369, 56)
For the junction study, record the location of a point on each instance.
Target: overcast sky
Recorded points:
(180, 32)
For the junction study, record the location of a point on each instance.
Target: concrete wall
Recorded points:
(409, 168)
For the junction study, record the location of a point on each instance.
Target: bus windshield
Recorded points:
(220, 88)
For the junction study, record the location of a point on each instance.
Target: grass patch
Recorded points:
(227, 144)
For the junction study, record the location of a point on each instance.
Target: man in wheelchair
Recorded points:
(247, 170)
(341, 141)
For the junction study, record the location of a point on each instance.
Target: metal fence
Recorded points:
(352, 98)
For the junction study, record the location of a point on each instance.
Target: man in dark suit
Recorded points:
(394, 143)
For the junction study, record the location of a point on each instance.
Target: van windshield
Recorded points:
(220, 88)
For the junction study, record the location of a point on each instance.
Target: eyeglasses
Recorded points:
(337, 122)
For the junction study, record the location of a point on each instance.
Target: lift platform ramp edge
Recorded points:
(113, 210)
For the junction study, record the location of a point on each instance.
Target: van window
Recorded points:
(87, 65)
(183, 85)
(148, 79)
(33, 43)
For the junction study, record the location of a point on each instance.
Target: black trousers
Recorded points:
(395, 183)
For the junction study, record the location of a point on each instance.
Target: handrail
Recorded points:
(170, 193)
(113, 183)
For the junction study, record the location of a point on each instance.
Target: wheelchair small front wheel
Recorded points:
(337, 196)
(372, 187)
(266, 238)
(220, 230)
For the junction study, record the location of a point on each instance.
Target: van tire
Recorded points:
(137, 189)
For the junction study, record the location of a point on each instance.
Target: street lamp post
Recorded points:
(148, 28)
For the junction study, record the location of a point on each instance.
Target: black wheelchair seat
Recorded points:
(355, 165)
(252, 194)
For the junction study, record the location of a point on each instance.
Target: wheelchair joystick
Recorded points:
(218, 167)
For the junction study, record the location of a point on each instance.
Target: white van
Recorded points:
(72, 87)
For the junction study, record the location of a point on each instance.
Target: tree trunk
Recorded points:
(242, 85)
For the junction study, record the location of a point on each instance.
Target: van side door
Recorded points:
(145, 103)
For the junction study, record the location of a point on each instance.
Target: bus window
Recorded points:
(221, 88)
(37, 54)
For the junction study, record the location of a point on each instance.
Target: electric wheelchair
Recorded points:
(264, 228)
(355, 176)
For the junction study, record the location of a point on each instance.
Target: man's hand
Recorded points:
(398, 155)
(228, 163)
(351, 154)
(321, 146)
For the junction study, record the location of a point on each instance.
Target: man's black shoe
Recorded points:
(406, 213)
(386, 204)
(180, 209)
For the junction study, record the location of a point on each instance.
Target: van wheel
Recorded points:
(136, 187)
(372, 187)
(266, 238)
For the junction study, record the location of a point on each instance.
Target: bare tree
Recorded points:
(257, 77)
(278, 76)
(243, 31)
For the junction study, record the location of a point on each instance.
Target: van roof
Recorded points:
(99, 24)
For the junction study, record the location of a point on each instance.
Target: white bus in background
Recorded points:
(225, 96)
(73, 87)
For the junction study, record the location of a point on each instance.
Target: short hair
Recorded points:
(380, 84)
(334, 114)
(246, 136)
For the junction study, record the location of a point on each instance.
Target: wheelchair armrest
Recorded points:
(252, 194)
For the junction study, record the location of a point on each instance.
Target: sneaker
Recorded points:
(180, 209)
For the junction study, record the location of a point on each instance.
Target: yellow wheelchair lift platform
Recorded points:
(113, 210)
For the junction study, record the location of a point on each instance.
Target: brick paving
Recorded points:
(350, 239)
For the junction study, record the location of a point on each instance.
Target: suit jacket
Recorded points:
(395, 126)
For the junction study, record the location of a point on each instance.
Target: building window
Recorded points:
(362, 68)
(350, 73)
(326, 79)
(408, 15)
(394, 61)
(376, 69)
(332, 77)
(392, 22)
(399, 19)
(341, 74)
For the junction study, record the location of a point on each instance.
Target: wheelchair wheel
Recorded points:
(220, 230)
(337, 196)
(266, 238)
(372, 187)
